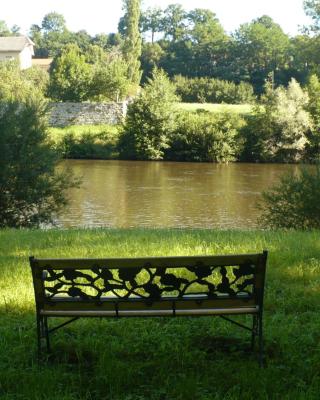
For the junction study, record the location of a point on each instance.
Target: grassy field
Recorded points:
(236, 108)
(188, 358)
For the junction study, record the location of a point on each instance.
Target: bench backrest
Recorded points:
(231, 280)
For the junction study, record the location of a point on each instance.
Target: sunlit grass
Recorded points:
(165, 358)
(236, 108)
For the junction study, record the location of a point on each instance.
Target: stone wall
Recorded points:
(63, 114)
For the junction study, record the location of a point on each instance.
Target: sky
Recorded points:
(97, 16)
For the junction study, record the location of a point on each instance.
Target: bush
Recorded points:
(294, 202)
(277, 130)
(95, 76)
(150, 120)
(204, 136)
(17, 85)
(210, 90)
(313, 145)
(31, 190)
(70, 76)
(86, 142)
(38, 77)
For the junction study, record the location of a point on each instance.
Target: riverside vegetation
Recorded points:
(147, 358)
(281, 127)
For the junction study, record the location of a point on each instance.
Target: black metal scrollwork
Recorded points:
(149, 282)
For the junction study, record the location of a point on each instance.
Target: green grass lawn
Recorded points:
(237, 108)
(149, 358)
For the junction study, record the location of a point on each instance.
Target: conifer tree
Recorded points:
(132, 43)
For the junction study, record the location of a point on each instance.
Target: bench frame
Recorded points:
(77, 307)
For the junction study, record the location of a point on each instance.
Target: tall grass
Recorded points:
(164, 358)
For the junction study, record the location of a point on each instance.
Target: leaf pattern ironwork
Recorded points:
(149, 282)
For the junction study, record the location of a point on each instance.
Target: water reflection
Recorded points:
(156, 194)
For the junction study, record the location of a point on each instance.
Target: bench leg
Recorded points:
(260, 342)
(46, 332)
(39, 335)
(42, 333)
(254, 330)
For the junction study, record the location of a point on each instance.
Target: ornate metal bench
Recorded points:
(156, 286)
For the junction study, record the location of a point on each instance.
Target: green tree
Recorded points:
(206, 137)
(209, 43)
(260, 47)
(31, 191)
(109, 80)
(151, 57)
(279, 125)
(313, 146)
(132, 41)
(312, 9)
(16, 85)
(5, 31)
(52, 35)
(70, 76)
(38, 77)
(294, 202)
(150, 120)
(151, 21)
(174, 22)
(107, 42)
(53, 22)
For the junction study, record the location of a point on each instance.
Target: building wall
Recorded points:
(9, 55)
(64, 114)
(25, 57)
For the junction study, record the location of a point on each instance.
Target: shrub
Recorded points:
(89, 142)
(313, 145)
(16, 85)
(204, 136)
(294, 202)
(95, 75)
(279, 125)
(150, 120)
(70, 76)
(31, 190)
(38, 77)
(210, 90)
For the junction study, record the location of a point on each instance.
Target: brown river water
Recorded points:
(167, 194)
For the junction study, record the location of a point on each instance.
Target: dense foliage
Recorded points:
(132, 39)
(95, 75)
(313, 145)
(150, 120)
(277, 130)
(31, 191)
(210, 90)
(89, 142)
(70, 76)
(193, 44)
(294, 202)
(206, 137)
(19, 85)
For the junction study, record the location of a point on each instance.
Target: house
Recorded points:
(19, 48)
